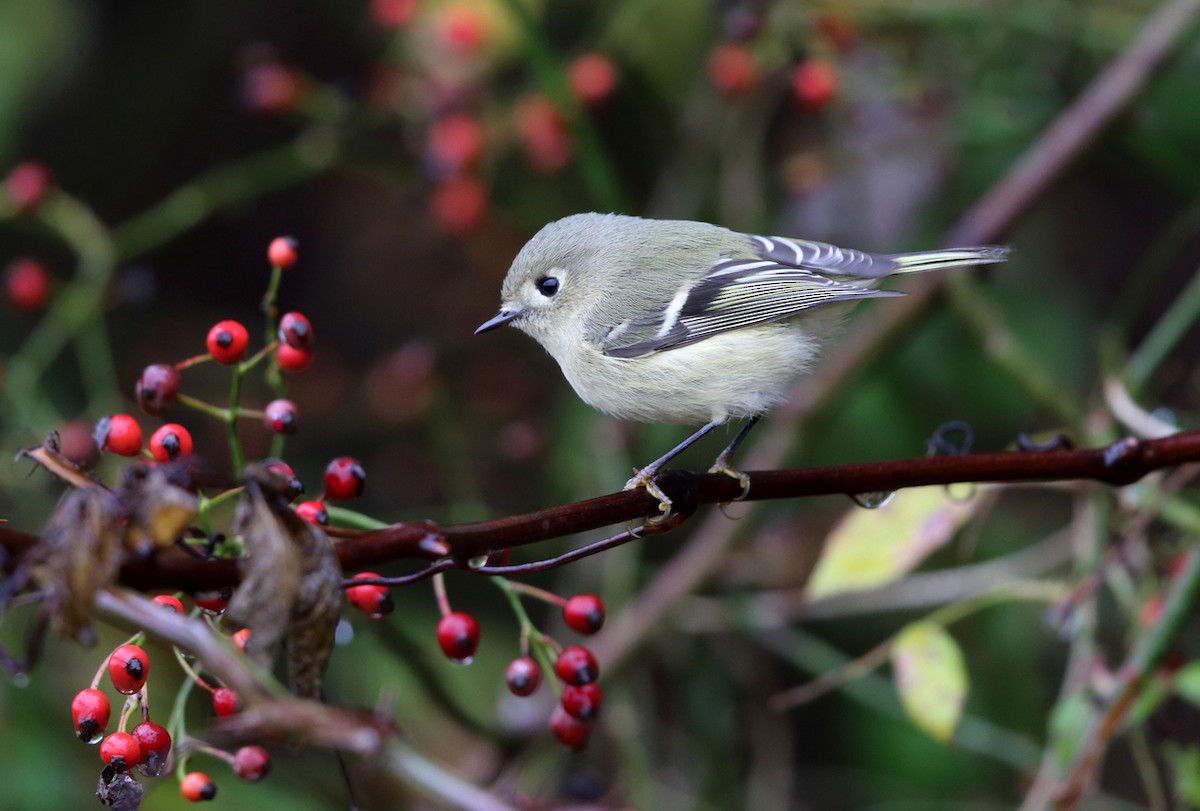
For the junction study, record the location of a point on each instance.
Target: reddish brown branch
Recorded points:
(1118, 464)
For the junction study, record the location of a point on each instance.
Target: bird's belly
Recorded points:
(728, 376)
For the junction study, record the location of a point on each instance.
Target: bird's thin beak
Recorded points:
(498, 320)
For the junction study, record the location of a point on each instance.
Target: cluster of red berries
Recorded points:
(147, 747)
(735, 70)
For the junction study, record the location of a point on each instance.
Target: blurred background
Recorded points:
(411, 147)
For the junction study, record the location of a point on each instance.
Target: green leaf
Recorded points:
(870, 548)
(930, 677)
(1187, 683)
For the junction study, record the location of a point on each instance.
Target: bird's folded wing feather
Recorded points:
(738, 293)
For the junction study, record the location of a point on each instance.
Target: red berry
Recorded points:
(26, 285)
(584, 613)
(271, 88)
(283, 470)
(155, 743)
(128, 667)
(814, 83)
(543, 134)
(251, 763)
(570, 731)
(460, 204)
(26, 185)
(576, 665)
(732, 69)
(523, 676)
(121, 751)
(458, 636)
(225, 702)
(373, 600)
(119, 433)
(169, 601)
(392, 13)
(455, 142)
(583, 701)
(90, 712)
(280, 416)
(344, 478)
(214, 602)
(196, 786)
(296, 331)
(462, 28)
(291, 359)
(227, 341)
(240, 638)
(592, 77)
(313, 512)
(169, 442)
(157, 387)
(283, 252)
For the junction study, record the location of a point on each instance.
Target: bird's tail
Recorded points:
(950, 257)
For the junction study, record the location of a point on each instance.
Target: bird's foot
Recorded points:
(645, 478)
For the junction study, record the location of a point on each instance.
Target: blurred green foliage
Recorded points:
(194, 132)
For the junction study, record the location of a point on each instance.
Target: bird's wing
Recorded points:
(789, 276)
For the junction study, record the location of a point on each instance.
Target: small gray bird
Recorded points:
(685, 322)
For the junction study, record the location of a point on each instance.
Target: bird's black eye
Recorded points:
(547, 286)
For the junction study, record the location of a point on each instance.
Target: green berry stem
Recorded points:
(208, 409)
(537, 593)
(231, 415)
(194, 360)
(534, 642)
(191, 673)
(353, 519)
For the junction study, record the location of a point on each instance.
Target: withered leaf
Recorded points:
(291, 584)
(159, 509)
(119, 790)
(79, 554)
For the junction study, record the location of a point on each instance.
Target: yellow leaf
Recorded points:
(930, 677)
(870, 548)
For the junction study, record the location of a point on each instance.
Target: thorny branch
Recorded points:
(1120, 463)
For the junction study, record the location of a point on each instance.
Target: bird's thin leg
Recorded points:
(721, 464)
(645, 476)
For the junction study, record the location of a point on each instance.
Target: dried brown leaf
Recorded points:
(291, 584)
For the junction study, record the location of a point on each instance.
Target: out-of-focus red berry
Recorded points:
(344, 479)
(214, 602)
(270, 88)
(197, 787)
(576, 665)
(295, 330)
(170, 441)
(814, 83)
(240, 638)
(732, 69)
(462, 28)
(155, 743)
(294, 487)
(26, 185)
(251, 763)
(26, 285)
(584, 613)
(227, 341)
(281, 416)
(392, 13)
(523, 676)
(460, 204)
(291, 359)
(169, 601)
(225, 702)
(458, 636)
(373, 600)
(542, 133)
(313, 512)
(592, 77)
(582, 701)
(455, 142)
(157, 388)
(283, 252)
(570, 731)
